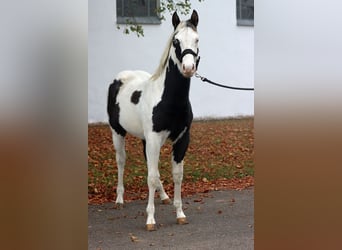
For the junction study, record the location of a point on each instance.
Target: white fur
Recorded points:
(119, 144)
(177, 173)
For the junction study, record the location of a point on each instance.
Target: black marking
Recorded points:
(190, 25)
(197, 62)
(144, 144)
(180, 147)
(194, 18)
(173, 113)
(175, 20)
(178, 49)
(135, 97)
(113, 108)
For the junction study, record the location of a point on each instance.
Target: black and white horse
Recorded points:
(155, 108)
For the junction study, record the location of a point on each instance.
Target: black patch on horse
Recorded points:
(190, 25)
(180, 147)
(144, 145)
(178, 49)
(113, 108)
(135, 96)
(173, 113)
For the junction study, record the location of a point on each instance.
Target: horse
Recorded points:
(155, 108)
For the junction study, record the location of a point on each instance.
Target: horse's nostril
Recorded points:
(193, 66)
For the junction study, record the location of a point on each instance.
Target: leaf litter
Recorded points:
(220, 157)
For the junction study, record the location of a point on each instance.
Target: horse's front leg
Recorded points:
(153, 145)
(179, 149)
(163, 195)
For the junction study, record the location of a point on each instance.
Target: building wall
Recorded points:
(226, 50)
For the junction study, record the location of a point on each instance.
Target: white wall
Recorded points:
(226, 50)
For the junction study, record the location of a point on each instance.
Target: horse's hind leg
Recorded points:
(162, 194)
(119, 145)
(179, 149)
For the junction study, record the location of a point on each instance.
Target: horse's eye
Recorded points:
(175, 42)
(197, 40)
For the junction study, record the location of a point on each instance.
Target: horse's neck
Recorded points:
(176, 87)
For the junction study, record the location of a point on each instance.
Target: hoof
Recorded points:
(182, 221)
(166, 201)
(151, 227)
(118, 206)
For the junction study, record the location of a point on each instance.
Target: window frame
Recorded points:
(150, 18)
(240, 20)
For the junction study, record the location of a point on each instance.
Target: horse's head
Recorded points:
(184, 51)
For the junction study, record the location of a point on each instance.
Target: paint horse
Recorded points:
(155, 108)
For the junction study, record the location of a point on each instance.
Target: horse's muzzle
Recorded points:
(188, 65)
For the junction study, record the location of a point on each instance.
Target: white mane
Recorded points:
(165, 57)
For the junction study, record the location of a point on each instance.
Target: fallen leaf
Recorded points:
(134, 238)
(220, 157)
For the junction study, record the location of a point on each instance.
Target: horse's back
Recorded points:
(133, 77)
(127, 97)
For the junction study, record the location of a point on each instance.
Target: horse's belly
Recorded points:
(132, 124)
(129, 116)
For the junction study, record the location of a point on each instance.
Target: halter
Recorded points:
(180, 54)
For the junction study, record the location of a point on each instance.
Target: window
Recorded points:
(245, 12)
(139, 11)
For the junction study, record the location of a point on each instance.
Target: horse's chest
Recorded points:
(172, 118)
(173, 112)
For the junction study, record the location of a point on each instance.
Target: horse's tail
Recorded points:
(113, 91)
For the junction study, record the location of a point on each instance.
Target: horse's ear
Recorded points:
(194, 18)
(175, 20)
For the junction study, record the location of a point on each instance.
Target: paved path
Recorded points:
(217, 220)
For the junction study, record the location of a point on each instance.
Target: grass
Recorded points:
(219, 150)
